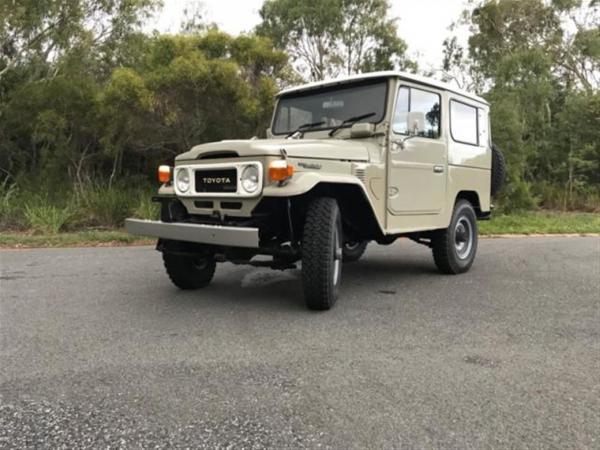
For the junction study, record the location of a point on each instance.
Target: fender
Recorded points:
(305, 182)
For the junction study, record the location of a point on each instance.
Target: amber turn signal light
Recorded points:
(164, 174)
(280, 170)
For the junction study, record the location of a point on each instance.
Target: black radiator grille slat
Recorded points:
(216, 180)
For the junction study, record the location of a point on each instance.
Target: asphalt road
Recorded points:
(98, 349)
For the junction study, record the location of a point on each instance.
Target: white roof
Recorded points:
(384, 74)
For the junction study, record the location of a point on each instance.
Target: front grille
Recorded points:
(216, 180)
(231, 205)
(203, 204)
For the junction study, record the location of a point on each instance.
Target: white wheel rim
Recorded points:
(337, 257)
(463, 238)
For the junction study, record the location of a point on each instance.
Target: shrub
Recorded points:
(46, 218)
(11, 215)
(107, 207)
(516, 197)
(580, 198)
(147, 209)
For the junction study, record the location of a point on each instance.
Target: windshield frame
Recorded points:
(335, 87)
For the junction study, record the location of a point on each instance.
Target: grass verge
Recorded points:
(93, 238)
(524, 223)
(542, 222)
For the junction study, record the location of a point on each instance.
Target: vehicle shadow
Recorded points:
(242, 286)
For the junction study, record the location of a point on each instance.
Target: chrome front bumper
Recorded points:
(203, 234)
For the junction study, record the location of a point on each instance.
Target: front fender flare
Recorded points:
(307, 182)
(304, 182)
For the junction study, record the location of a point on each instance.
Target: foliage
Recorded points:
(10, 213)
(333, 37)
(44, 218)
(96, 206)
(35, 32)
(106, 207)
(538, 63)
(146, 208)
(90, 105)
(178, 91)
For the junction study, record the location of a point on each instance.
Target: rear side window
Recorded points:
(464, 124)
(417, 100)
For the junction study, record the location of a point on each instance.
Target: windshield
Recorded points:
(332, 106)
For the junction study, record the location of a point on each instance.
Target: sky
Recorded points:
(423, 24)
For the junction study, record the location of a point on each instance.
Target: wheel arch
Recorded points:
(358, 215)
(473, 198)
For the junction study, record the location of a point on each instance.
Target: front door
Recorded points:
(417, 170)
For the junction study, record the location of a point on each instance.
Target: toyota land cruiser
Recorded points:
(372, 157)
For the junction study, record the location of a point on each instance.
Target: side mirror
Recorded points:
(362, 130)
(416, 123)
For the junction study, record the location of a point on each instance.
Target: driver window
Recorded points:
(416, 100)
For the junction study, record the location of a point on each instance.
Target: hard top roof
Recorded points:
(384, 74)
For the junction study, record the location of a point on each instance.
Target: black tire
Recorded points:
(322, 253)
(188, 272)
(354, 250)
(455, 247)
(498, 170)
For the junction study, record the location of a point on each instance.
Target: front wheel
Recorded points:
(189, 272)
(322, 253)
(454, 248)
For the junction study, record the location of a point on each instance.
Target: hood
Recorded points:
(335, 149)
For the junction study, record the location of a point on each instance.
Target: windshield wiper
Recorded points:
(351, 120)
(305, 127)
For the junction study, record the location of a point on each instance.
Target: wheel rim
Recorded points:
(463, 237)
(337, 257)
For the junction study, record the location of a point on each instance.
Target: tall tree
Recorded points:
(537, 61)
(330, 37)
(37, 32)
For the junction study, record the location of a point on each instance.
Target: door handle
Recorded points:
(438, 169)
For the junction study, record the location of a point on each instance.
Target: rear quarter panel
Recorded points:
(469, 166)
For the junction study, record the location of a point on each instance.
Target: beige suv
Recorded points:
(372, 157)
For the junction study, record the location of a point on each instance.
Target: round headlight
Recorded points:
(250, 179)
(182, 178)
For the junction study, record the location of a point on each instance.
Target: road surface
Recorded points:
(98, 349)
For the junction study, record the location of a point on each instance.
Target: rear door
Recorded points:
(417, 172)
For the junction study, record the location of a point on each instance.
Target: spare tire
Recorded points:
(498, 170)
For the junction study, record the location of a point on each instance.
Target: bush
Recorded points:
(580, 198)
(46, 218)
(107, 207)
(147, 209)
(10, 215)
(516, 197)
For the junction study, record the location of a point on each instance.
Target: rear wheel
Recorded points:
(454, 248)
(322, 253)
(189, 272)
(354, 250)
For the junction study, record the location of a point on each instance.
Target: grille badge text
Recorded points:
(216, 180)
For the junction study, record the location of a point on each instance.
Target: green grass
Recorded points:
(47, 219)
(75, 239)
(542, 222)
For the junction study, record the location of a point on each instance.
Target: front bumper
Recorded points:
(188, 232)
